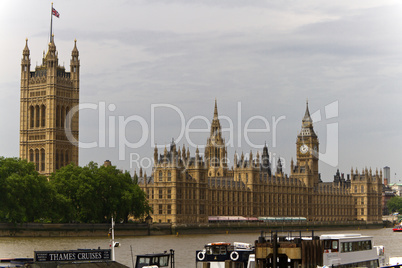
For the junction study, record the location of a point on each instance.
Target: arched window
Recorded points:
(67, 119)
(43, 115)
(216, 158)
(42, 162)
(31, 156)
(32, 116)
(58, 116)
(37, 160)
(37, 116)
(63, 115)
(61, 159)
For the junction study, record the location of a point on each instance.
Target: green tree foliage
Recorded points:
(95, 194)
(89, 194)
(24, 194)
(395, 204)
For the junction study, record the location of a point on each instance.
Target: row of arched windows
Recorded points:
(38, 157)
(37, 115)
(62, 158)
(61, 113)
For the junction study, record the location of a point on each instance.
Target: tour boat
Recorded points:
(15, 262)
(351, 250)
(398, 228)
(218, 254)
(327, 250)
(156, 260)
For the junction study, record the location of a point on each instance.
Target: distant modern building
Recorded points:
(184, 189)
(387, 175)
(47, 95)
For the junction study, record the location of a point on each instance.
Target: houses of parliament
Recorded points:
(189, 189)
(47, 95)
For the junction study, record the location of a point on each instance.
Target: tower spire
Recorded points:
(26, 49)
(307, 116)
(307, 123)
(215, 150)
(216, 110)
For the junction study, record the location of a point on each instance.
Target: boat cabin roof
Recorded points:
(345, 237)
(154, 255)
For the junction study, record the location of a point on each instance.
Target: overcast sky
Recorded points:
(261, 60)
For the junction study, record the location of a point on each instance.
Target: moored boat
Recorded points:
(220, 254)
(329, 250)
(156, 260)
(15, 262)
(353, 250)
(398, 228)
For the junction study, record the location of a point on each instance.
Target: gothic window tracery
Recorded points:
(37, 116)
(58, 116)
(43, 157)
(32, 116)
(37, 160)
(43, 115)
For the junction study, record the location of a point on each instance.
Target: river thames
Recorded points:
(184, 245)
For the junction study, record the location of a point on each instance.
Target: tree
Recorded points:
(89, 194)
(95, 194)
(24, 193)
(395, 204)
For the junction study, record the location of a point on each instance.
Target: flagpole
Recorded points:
(51, 22)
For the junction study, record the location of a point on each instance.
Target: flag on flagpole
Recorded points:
(55, 13)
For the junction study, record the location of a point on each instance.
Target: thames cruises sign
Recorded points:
(73, 255)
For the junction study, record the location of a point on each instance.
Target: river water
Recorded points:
(184, 245)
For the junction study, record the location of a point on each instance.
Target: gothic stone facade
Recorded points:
(185, 189)
(47, 96)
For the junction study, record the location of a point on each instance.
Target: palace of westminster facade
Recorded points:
(185, 189)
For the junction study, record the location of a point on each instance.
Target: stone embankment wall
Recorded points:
(243, 227)
(81, 230)
(129, 229)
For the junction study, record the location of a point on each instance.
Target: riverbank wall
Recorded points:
(245, 227)
(133, 229)
(81, 230)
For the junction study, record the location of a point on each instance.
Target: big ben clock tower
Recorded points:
(307, 147)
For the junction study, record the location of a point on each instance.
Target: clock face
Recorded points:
(304, 149)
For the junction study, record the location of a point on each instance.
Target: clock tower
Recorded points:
(307, 147)
(215, 150)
